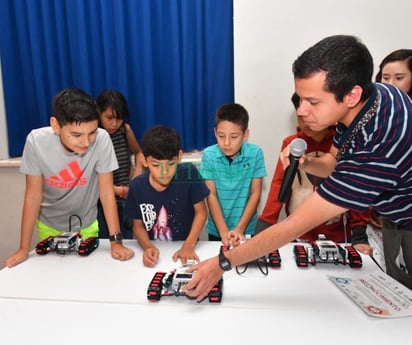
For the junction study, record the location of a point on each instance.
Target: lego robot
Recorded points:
(326, 251)
(68, 242)
(170, 284)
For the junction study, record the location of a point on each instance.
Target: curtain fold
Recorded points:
(172, 59)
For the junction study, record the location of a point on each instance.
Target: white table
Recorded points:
(98, 300)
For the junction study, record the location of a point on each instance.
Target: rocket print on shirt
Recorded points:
(160, 230)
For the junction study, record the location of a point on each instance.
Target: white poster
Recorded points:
(377, 294)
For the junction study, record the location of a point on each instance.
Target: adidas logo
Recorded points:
(68, 177)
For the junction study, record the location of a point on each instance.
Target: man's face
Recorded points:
(318, 108)
(230, 137)
(76, 137)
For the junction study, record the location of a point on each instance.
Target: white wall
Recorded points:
(269, 35)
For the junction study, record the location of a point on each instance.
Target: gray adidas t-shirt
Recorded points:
(70, 183)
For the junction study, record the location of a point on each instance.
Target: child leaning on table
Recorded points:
(68, 165)
(167, 202)
(233, 170)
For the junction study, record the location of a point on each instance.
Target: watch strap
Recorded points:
(224, 262)
(117, 237)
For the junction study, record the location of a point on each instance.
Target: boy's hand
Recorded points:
(225, 235)
(120, 252)
(150, 256)
(234, 238)
(18, 257)
(184, 254)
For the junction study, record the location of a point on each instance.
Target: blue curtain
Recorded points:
(172, 59)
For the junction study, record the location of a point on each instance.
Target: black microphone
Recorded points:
(297, 149)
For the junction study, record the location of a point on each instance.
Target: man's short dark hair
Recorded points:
(73, 105)
(161, 142)
(234, 113)
(346, 61)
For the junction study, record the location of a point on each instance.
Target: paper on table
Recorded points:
(377, 294)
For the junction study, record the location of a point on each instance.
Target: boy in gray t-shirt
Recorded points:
(68, 166)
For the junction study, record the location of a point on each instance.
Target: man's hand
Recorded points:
(18, 257)
(207, 274)
(120, 252)
(185, 253)
(364, 248)
(284, 159)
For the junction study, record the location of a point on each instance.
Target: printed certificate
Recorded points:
(377, 294)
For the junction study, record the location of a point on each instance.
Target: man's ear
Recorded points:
(55, 125)
(354, 96)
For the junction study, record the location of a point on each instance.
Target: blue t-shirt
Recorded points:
(171, 211)
(233, 180)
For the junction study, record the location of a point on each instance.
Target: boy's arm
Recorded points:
(31, 207)
(150, 252)
(107, 198)
(251, 206)
(135, 148)
(141, 235)
(187, 251)
(216, 211)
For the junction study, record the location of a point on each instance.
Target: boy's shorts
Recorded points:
(45, 231)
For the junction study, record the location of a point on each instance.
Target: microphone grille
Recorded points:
(298, 147)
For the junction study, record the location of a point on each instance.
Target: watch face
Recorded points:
(118, 236)
(224, 263)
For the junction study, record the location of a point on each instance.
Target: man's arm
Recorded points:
(107, 198)
(31, 207)
(208, 272)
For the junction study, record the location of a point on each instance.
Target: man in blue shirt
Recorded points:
(369, 164)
